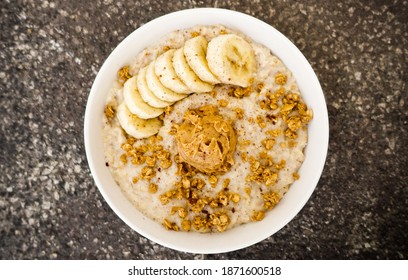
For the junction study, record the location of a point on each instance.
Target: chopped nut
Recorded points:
(280, 79)
(263, 104)
(287, 107)
(186, 225)
(223, 31)
(147, 173)
(166, 48)
(294, 123)
(290, 134)
(245, 142)
(164, 199)
(151, 161)
(126, 147)
(199, 205)
(213, 93)
(213, 180)
(165, 163)
(168, 110)
(131, 140)
(274, 133)
(270, 200)
(109, 111)
(226, 183)
(260, 86)
(134, 180)
(124, 74)
(137, 159)
(258, 216)
(271, 179)
(268, 143)
(247, 190)
(220, 220)
(123, 158)
(239, 113)
(235, 198)
(222, 198)
(272, 118)
(296, 176)
(292, 144)
(194, 34)
(260, 121)
(186, 183)
(223, 103)
(173, 129)
(214, 203)
(182, 212)
(170, 226)
(281, 165)
(199, 222)
(239, 92)
(152, 188)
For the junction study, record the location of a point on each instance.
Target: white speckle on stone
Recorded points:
(42, 33)
(381, 105)
(357, 75)
(336, 105)
(56, 195)
(77, 60)
(46, 205)
(77, 168)
(63, 13)
(2, 75)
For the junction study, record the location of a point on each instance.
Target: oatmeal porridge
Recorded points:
(205, 130)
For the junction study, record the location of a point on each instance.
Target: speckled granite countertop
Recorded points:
(50, 52)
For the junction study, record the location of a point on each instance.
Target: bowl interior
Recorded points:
(316, 150)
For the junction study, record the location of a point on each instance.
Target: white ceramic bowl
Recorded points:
(316, 150)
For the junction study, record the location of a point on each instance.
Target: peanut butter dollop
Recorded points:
(206, 140)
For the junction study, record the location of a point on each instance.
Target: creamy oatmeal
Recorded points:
(253, 139)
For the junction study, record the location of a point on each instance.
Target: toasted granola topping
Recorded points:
(109, 112)
(281, 79)
(153, 188)
(124, 74)
(223, 103)
(170, 226)
(270, 200)
(258, 216)
(186, 225)
(239, 113)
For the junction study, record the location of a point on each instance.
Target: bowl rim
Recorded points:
(237, 20)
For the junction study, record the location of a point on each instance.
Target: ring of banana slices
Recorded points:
(194, 68)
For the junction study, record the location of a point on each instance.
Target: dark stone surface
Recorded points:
(50, 52)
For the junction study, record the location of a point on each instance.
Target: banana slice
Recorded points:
(158, 88)
(146, 94)
(136, 104)
(135, 126)
(167, 75)
(195, 50)
(231, 59)
(187, 75)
